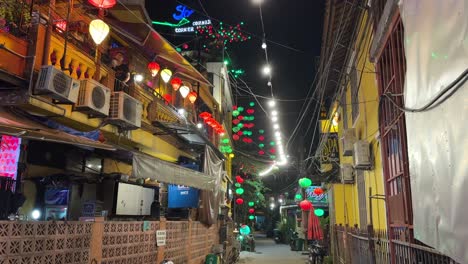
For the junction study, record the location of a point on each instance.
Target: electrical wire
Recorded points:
(452, 88)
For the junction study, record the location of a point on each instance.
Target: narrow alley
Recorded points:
(267, 251)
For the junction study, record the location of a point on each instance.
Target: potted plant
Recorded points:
(13, 15)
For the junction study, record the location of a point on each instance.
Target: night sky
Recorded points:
(297, 26)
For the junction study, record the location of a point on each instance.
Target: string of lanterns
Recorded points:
(210, 121)
(304, 203)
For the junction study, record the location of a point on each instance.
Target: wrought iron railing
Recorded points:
(352, 246)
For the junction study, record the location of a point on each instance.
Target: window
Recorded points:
(391, 67)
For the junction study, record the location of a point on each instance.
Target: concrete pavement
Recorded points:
(268, 252)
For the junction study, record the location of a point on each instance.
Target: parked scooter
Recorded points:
(277, 236)
(292, 240)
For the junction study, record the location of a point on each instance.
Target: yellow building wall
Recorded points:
(366, 128)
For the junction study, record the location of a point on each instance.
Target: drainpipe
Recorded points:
(48, 35)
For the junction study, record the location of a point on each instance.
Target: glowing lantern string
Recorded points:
(154, 68)
(239, 191)
(235, 137)
(251, 210)
(298, 197)
(251, 204)
(176, 83)
(319, 212)
(103, 3)
(305, 205)
(261, 138)
(192, 97)
(236, 121)
(318, 191)
(251, 217)
(184, 91)
(239, 179)
(305, 182)
(239, 201)
(166, 75)
(98, 30)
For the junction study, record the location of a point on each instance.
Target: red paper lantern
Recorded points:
(239, 201)
(236, 121)
(176, 83)
(205, 115)
(251, 211)
(272, 151)
(261, 138)
(235, 137)
(61, 25)
(103, 3)
(192, 96)
(167, 98)
(318, 191)
(250, 111)
(240, 117)
(234, 107)
(305, 205)
(154, 68)
(261, 152)
(240, 133)
(239, 179)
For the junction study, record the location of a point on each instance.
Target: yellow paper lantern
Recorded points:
(166, 75)
(98, 30)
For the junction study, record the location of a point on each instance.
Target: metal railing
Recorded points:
(353, 246)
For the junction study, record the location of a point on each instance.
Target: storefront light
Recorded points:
(36, 214)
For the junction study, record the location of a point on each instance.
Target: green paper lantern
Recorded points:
(305, 182)
(237, 185)
(261, 145)
(251, 217)
(235, 113)
(252, 104)
(229, 150)
(261, 131)
(239, 191)
(319, 212)
(272, 157)
(240, 125)
(251, 204)
(244, 230)
(225, 141)
(298, 197)
(235, 129)
(240, 108)
(272, 143)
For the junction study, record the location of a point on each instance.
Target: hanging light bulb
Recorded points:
(154, 68)
(184, 91)
(138, 78)
(192, 96)
(271, 103)
(176, 83)
(266, 70)
(98, 30)
(166, 75)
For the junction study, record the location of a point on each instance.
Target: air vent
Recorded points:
(125, 111)
(348, 140)
(57, 85)
(94, 98)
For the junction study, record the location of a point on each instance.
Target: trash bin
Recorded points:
(299, 244)
(211, 259)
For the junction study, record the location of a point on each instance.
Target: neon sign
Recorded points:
(193, 27)
(183, 12)
(9, 155)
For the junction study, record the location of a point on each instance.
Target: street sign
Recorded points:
(161, 238)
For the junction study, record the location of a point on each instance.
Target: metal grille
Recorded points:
(45, 242)
(391, 66)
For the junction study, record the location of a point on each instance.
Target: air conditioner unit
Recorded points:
(125, 111)
(361, 157)
(94, 98)
(348, 139)
(347, 173)
(57, 85)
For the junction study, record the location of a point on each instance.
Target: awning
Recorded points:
(145, 166)
(18, 126)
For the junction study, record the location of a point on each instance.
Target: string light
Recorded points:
(266, 70)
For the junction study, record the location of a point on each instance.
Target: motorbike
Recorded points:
(277, 236)
(292, 240)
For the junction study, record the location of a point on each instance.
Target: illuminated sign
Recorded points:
(9, 155)
(330, 152)
(182, 12)
(194, 25)
(317, 200)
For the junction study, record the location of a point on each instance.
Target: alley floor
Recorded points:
(267, 251)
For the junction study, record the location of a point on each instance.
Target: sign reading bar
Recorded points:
(330, 152)
(161, 238)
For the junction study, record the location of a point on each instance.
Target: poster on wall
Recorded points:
(9, 155)
(317, 200)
